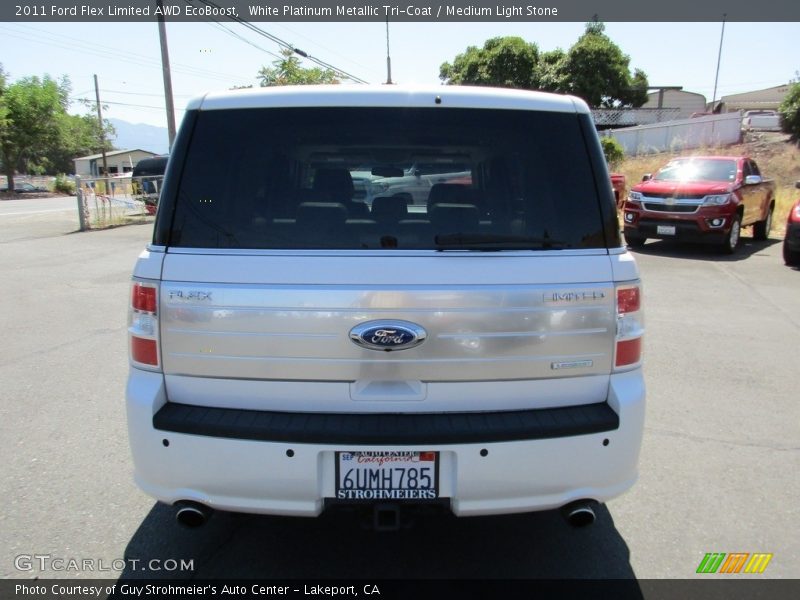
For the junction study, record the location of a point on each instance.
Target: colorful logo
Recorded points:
(734, 562)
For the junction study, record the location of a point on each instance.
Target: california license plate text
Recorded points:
(386, 475)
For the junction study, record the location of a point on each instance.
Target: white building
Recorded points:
(119, 161)
(687, 102)
(766, 99)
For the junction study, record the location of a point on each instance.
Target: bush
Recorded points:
(63, 185)
(790, 112)
(612, 150)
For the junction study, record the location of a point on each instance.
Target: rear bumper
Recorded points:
(490, 463)
(685, 231)
(386, 429)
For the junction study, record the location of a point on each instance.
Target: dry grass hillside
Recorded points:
(777, 157)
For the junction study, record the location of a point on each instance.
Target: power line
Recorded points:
(120, 103)
(141, 93)
(107, 52)
(243, 39)
(286, 45)
(326, 48)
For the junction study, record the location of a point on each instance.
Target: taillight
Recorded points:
(143, 298)
(143, 325)
(630, 326)
(794, 214)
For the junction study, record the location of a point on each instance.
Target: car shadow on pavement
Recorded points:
(338, 545)
(747, 247)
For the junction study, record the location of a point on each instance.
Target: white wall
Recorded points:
(711, 130)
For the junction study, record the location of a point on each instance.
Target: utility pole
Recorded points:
(719, 59)
(162, 36)
(100, 122)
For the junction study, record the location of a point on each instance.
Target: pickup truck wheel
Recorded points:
(634, 241)
(731, 242)
(791, 257)
(761, 229)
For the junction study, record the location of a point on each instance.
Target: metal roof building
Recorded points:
(768, 98)
(119, 161)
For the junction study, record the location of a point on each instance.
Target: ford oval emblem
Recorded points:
(388, 335)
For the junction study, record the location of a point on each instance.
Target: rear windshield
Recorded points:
(386, 178)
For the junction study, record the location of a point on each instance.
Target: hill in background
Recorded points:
(132, 136)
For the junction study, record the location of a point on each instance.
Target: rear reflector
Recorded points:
(144, 351)
(629, 352)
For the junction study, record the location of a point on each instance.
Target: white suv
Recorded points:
(292, 348)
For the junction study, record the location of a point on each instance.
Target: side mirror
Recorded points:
(417, 172)
(647, 177)
(752, 180)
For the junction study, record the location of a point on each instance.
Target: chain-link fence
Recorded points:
(112, 201)
(605, 118)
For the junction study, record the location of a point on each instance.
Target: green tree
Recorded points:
(789, 112)
(598, 71)
(553, 73)
(37, 135)
(78, 135)
(594, 68)
(4, 119)
(287, 71)
(32, 108)
(3, 76)
(503, 62)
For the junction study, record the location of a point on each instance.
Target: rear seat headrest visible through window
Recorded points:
(321, 214)
(453, 193)
(389, 209)
(454, 218)
(336, 183)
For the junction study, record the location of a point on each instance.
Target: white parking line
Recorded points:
(36, 212)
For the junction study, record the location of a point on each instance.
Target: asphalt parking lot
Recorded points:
(718, 466)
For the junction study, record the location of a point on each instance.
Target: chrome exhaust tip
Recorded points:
(192, 514)
(579, 513)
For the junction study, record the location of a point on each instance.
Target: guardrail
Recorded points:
(112, 201)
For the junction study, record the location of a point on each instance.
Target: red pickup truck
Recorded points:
(618, 184)
(701, 199)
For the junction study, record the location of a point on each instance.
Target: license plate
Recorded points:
(387, 475)
(665, 230)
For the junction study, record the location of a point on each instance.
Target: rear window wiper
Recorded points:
(495, 241)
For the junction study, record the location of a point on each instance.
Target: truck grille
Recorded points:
(672, 208)
(677, 198)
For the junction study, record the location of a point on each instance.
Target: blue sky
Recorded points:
(206, 56)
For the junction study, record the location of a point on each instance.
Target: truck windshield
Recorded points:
(698, 170)
(316, 178)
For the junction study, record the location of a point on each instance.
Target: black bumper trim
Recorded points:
(359, 429)
(684, 232)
